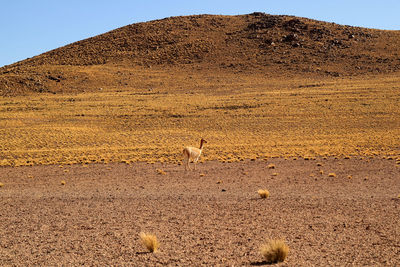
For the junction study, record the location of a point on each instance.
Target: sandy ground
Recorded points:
(96, 217)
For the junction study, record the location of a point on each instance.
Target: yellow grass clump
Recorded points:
(1, 184)
(63, 182)
(271, 166)
(332, 174)
(263, 193)
(274, 251)
(159, 171)
(150, 242)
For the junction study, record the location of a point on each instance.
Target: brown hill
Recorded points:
(257, 43)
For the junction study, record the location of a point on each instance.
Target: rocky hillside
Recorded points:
(254, 43)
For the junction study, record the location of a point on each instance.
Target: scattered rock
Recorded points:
(295, 25)
(290, 37)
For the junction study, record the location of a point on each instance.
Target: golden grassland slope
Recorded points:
(246, 118)
(253, 85)
(253, 44)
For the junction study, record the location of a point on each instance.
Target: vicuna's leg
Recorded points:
(186, 156)
(185, 159)
(187, 164)
(195, 163)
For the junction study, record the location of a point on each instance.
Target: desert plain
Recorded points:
(210, 217)
(92, 137)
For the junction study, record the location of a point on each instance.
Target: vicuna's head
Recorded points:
(202, 142)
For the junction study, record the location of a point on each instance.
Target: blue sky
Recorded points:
(31, 27)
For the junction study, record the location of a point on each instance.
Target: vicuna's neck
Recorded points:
(201, 144)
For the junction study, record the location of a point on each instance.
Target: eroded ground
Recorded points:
(96, 217)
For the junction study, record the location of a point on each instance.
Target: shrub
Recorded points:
(271, 166)
(159, 171)
(263, 193)
(274, 251)
(150, 242)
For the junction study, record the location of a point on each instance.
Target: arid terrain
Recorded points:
(166, 53)
(91, 139)
(212, 216)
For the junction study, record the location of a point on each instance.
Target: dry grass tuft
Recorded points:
(159, 171)
(263, 193)
(150, 242)
(332, 174)
(274, 251)
(1, 184)
(63, 182)
(271, 166)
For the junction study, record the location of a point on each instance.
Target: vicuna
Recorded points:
(192, 153)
